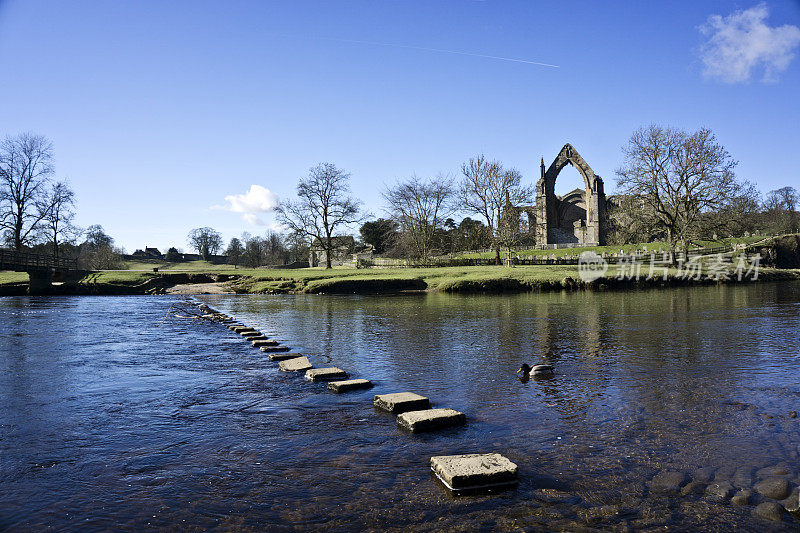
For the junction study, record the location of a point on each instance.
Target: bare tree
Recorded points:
(419, 207)
(323, 207)
(486, 187)
(781, 208)
(26, 166)
(207, 241)
(678, 177)
(58, 207)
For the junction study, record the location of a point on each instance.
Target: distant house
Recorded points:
(343, 248)
(147, 253)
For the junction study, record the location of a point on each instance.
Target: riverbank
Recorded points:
(480, 279)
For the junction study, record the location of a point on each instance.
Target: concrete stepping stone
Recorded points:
(263, 342)
(400, 402)
(326, 374)
(235, 325)
(247, 334)
(474, 472)
(430, 419)
(295, 364)
(348, 385)
(239, 329)
(270, 349)
(283, 356)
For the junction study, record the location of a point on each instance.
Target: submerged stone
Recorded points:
(792, 503)
(351, 384)
(668, 481)
(326, 374)
(283, 356)
(720, 491)
(770, 511)
(776, 488)
(742, 497)
(474, 472)
(430, 419)
(295, 364)
(400, 402)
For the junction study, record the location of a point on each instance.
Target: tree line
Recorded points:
(37, 209)
(674, 185)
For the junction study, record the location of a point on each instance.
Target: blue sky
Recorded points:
(160, 110)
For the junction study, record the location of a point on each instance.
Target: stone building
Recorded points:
(578, 217)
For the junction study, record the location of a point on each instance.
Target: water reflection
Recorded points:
(152, 426)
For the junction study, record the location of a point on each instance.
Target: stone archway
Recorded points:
(560, 220)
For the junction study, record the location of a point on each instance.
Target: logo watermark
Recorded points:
(592, 266)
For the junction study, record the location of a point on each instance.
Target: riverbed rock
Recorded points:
(283, 356)
(792, 503)
(693, 487)
(704, 474)
(348, 385)
(772, 471)
(770, 511)
(326, 374)
(742, 497)
(776, 488)
(720, 491)
(474, 471)
(430, 419)
(400, 402)
(296, 364)
(271, 349)
(668, 481)
(743, 477)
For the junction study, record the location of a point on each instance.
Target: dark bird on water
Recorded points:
(536, 370)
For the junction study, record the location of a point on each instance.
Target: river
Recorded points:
(111, 417)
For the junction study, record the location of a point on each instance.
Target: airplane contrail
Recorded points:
(441, 50)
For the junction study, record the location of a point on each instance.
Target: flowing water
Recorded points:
(111, 418)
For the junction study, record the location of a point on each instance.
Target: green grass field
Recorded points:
(350, 280)
(627, 248)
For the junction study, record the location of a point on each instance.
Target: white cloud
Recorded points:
(742, 41)
(256, 200)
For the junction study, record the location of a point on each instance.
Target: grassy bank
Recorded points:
(626, 248)
(491, 279)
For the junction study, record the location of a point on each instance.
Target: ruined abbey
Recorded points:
(578, 217)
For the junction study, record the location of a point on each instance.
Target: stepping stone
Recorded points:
(239, 329)
(259, 338)
(325, 374)
(400, 402)
(474, 472)
(234, 326)
(263, 342)
(270, 349)
(295, 364)
(352, 384)
(430, 419)
(253, 333)
(283, 356)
